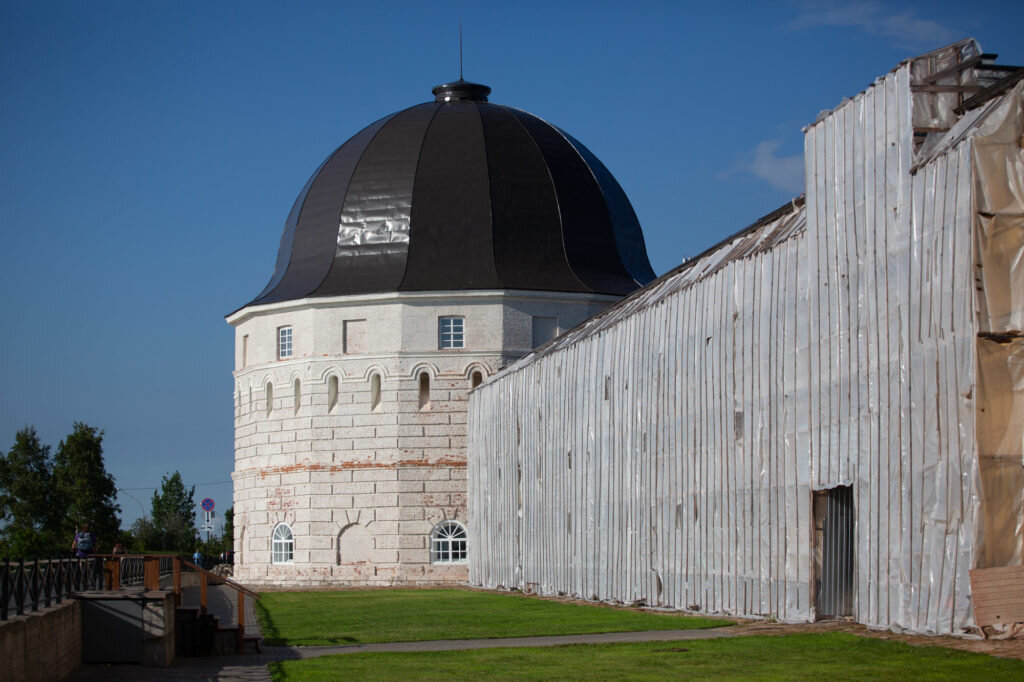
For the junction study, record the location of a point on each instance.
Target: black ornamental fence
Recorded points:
(30, 585)
(27, 585)
(131, 569)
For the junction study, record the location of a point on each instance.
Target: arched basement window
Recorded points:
(476, 379)
(448, 543)
(424, 390)
(298, 395)
(375, 392)
(270, 397)
(282, 547)
(332, 393)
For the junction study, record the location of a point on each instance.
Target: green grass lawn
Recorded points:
(829, 656)
(357, 616)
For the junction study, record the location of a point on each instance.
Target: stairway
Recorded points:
(216, 632)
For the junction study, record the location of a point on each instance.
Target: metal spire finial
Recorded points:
(460, 48)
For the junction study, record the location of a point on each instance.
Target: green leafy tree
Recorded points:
(174, 523)
(229, 529)
(144, 536)
(84, 490)
(29, 515)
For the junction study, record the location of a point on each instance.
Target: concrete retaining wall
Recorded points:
(45, 645)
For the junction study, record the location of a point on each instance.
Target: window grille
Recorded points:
(283, 545)
(448, 543)
(451, 333)
(284, 343)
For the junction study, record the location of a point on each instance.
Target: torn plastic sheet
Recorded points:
(999, 189)
(935, 109)
(1000, 537)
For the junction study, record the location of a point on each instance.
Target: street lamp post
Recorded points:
(141, 507)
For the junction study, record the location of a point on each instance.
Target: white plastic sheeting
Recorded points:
(667, 450)
(596, 467)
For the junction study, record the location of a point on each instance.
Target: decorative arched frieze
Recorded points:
(332, 370)
(476, 367)
(421, 367)
(374, 368)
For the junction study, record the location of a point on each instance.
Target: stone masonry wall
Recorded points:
(362, 476)
(361, 486)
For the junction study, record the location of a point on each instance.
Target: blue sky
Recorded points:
(150, 153)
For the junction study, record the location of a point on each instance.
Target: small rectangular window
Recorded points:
(245, 350)
(451, 333)
(284, 343)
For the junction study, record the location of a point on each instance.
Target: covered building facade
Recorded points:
(820, 416)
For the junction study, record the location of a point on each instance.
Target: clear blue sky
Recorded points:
(150, 153)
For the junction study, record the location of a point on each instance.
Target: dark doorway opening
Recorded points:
(834, 552)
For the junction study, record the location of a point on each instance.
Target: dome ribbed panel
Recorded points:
(586, 224)
(450, 242)
(284, 251)
(527, 225)
(629, 238)
(373, 230)
(316, 226)
(459, 195)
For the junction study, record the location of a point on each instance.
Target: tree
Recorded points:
(144, 536)
(29, 514)
(229, 528)
(84, 489)
(174, 525)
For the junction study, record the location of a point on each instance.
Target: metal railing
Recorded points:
(130, 570)
(27, 586)
(30, 585)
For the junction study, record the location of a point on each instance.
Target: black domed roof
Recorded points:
(459, 194)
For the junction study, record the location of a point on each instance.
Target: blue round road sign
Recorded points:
(207, 504)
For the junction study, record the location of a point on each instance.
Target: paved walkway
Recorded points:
(254, 666)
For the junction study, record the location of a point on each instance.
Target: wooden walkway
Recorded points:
(222, 601)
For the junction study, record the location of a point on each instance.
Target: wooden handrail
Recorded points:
(221, 579)
(151, 578)
(204, 577)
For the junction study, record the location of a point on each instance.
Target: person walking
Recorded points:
(84, 543)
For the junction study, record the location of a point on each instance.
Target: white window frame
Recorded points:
(284, 342)
(449, 543)
(451, 332)
(282, 545)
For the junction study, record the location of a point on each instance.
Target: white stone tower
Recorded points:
(433, 248)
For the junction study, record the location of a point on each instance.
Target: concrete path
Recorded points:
(254, 666)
